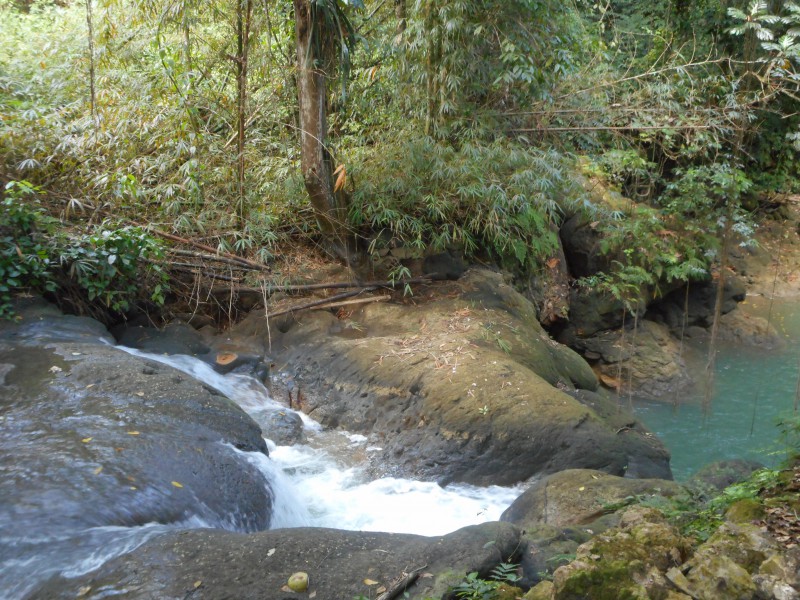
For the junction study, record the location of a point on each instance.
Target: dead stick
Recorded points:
(230, 261)
(334, 285)
(181, 240)
(355, 301)
(401, 584)
(320, 302)
(195, 271)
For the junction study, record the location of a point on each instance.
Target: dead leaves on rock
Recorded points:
(782, 519)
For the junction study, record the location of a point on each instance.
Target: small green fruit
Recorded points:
(298, 582)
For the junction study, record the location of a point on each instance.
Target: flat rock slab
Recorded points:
(464, 386)
(341, 564)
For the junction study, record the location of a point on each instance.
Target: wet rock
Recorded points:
(228, 565)
(283, 427)
(463, 387)
(94, 437)
(741, 328)
(652, 366)
(179, 338)
(175, 338)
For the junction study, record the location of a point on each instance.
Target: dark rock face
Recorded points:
(94, 437)
(216, 564)
(702, 297)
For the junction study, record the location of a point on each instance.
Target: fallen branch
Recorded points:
(321, 302)
(215, 251)
(234, 262)
(355, 301)
(401, 584)
(369, 285)
(186, 268)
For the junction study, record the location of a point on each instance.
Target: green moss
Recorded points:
(745, 511)
(609, 581)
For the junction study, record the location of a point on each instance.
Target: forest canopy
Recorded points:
(361, 126)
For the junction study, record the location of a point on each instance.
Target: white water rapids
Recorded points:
(322, 484)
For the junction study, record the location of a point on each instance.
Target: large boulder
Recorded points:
(627, 562)
(646, 361)
(94, 438)
(579, 496)
(462, 387)
(561, 511)
(340, 564)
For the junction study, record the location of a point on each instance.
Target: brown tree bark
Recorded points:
(401, 15)
(330, 207)
(243, 17)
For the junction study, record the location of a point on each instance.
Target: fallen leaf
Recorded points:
(553, 262)
(140, 394)
(370, 582)
(55, 369)
(176, 484)
(197, 584)
(580, 489)
(271, 551)
(286, 588)
(133, 433)
(426, 575)
(313, 594)
(82, 591)
(226, 358)
(98, 470)
(341, 178)
(87, 440)
(91, 385)
(380, 590)
(611, 382)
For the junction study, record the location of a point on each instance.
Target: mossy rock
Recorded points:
(544, 590)
(745, 511)
(719, 577)
(607, 581)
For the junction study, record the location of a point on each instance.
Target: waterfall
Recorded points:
(319, 484)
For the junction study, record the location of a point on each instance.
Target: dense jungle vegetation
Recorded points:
(354, 127)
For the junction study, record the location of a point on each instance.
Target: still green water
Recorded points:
(754, 390)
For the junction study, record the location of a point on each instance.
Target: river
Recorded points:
(754, 391)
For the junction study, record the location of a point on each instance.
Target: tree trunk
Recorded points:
(243, 15)
(330, 207)
(401, 15)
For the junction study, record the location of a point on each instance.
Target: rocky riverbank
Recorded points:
(458, 383)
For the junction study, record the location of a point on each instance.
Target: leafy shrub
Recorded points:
(498, 196)
(475, 588)
(24, 250)
(109, 267)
